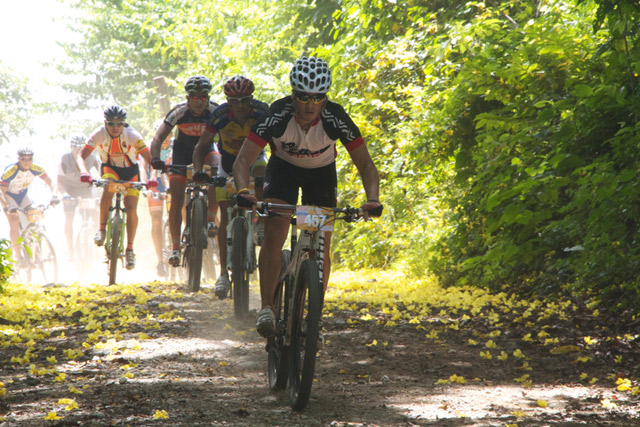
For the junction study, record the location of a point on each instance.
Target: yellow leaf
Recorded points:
(53, 416)
(373, 343)
(160, 414)
(606, 403)
(223, 363)
(74, 390)
(542, 403)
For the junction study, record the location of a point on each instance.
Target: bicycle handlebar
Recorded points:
(349, 214)
(105, 182)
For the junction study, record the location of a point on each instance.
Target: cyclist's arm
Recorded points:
(143, 170)
(156, 145)
(49, 183)
(242, 166)
(201, 149)
(3, 196)
(83, 154)
(368, 172)
(146, 155)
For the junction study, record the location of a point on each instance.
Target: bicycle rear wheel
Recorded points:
(278, 352)
(239, 273)
(114, 248)
(46, 259)
(195, 245)
(305, 328)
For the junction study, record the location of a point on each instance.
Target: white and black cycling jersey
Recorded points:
(313, 148)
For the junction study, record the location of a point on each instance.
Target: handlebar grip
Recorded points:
(377, 211)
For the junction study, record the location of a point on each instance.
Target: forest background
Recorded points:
(505, 132)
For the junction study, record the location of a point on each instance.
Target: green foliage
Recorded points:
(505, 132)
(15, 101)
(6, 262)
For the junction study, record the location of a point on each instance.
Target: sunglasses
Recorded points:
(26, 159)
(115, 124)
(199, 97)
(316, 98)
(243, 100)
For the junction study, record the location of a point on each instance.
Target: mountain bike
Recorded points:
(114, 243)
(299, 298)
(194, 237)
(36, 251)
(242, 239)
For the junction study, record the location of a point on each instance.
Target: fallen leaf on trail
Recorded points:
(160, 414)
(542, 403)
(53, 416)
(606, 403)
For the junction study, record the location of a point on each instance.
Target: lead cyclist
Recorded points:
(302, 130)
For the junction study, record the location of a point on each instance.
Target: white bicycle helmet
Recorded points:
(77, 140)
(310, 75)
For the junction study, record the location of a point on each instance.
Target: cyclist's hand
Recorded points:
(157, 164)
(85, 177)
(11, 209)
(246, 200)
(371, 208)
(200, 176)
(152, 185)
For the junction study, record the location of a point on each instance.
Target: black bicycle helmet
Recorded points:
(115, 112)
(197, 84)
(25, 151)
(310, 75)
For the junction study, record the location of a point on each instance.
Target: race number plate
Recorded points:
(314, 218)
(116, 187)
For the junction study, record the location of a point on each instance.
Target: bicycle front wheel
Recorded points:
(278, 352)
(195, 245)
(114, 248)
(239, 273)
(46, 259)
(305, 329)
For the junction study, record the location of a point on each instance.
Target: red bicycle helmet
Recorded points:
(238, 87)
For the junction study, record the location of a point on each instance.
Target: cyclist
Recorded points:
(14, 185)
(232, 121)
(69, 183)
(302, 130)
(118, 146)
(191, 118)
(156, 205)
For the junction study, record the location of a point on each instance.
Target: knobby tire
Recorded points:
(278, 352)
(114, 249)
(306, 312)
(239, 273)
(47, 260)
(196, 245)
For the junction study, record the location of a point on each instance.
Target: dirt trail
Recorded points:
(210, 369)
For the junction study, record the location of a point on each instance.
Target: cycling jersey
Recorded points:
(70, 173)
(312, 149)
(190, 128)
(231, 133)
(120, 152)
(17, 181)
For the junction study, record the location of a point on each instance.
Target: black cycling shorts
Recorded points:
(319, 185)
